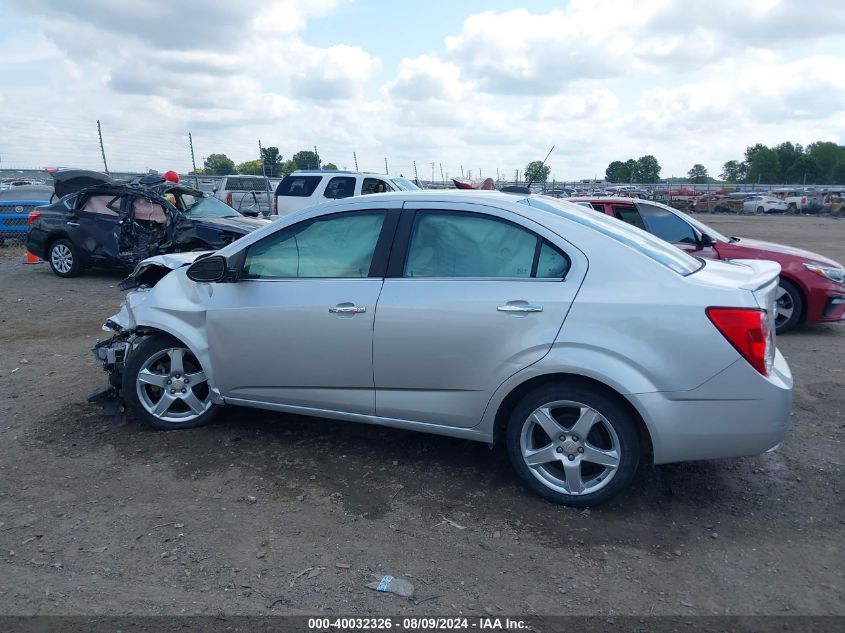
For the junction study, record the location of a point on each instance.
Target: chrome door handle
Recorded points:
(73, 223)
(520, 307)
(347, 308)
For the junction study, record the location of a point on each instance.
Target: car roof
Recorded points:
(604, 199)
(320, 172)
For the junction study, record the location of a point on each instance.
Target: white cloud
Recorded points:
(602, 80)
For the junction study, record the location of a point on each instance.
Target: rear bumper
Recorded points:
(737, 413)
(36, 241)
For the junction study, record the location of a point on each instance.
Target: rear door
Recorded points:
(473, 295)
(96, 223)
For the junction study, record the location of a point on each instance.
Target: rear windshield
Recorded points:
(650, 246)
(247, 184)
(300, 186)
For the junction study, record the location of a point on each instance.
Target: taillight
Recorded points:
(747, 329)
(33, 216)
(229, 198)
(803, 200)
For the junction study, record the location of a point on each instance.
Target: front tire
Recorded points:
(789, 304)
(761, 210)
(573, 444)
(165, 386)
(64, 258)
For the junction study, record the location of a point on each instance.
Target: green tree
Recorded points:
(330, 166)
(288, 166)
(698, 174)
(306, 159)
(251, 167)
(751, 151)
(733, 171)
(804, 169)
(787, 155)
(647, 169)
(617, 172)
(837, 176)
(218, 165)
(536, 171)
(827, 155)
(630, 170)
(272, 161)
(764, 166)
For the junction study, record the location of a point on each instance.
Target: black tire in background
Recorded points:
(795, 298)
(64, 259)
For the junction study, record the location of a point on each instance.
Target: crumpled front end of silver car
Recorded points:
(126, 333)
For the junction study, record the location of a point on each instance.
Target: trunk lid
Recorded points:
(68, 181)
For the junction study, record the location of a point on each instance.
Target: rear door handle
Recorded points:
(347, 308)
(519, 307)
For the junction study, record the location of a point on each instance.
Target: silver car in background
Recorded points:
(580, 342)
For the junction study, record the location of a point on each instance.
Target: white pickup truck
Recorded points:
(798, 201)
(249, 195)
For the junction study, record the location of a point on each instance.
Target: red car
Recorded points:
(812, 287)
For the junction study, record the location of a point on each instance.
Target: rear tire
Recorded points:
(573, 444)
(165, 386)
(64, 258)
(760, 210)
(789, 306)
(792, 208)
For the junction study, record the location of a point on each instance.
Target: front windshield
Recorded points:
(691, 220)
(403, 184)
(210, 207)
(653, 247)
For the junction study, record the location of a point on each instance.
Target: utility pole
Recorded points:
(462, 171)
(432, 173)
(193, 161)
(261, 157)
(442, 177)
(386, 171)
(416, 175)
(355, 156)
(316, 158)
(266, 180)
(102, 149)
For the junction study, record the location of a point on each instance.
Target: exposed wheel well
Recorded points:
(514, 396)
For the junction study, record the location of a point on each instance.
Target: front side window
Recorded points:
(374, 185)
(455, 244)
(340, 187)
(334, 246)
(666, 225)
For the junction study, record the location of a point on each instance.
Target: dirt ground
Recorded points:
(266, 513)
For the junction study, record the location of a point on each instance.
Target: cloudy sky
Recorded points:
(484, 84)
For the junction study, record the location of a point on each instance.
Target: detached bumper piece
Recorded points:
(112, 355)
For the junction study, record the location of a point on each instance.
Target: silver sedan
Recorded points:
(580, 342)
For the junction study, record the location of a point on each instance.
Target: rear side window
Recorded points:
(246, 184)
(629, 215)
(469, 245)
(340, 187)
(299, 186)
(666, 225)
(641, 241)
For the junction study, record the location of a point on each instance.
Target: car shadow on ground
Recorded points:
(375, 471)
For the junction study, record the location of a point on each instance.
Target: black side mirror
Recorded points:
(208, 269)
(252, 213)
(706, 241)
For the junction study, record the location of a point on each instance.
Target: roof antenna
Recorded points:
(541, 165)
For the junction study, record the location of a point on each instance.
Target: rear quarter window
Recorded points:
(298, 186)
(246, 184)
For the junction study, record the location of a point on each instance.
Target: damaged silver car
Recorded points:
(478, 315)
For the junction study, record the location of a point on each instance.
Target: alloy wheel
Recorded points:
(784, 305)
(172, 386)
(61, 258)
(570, 447)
